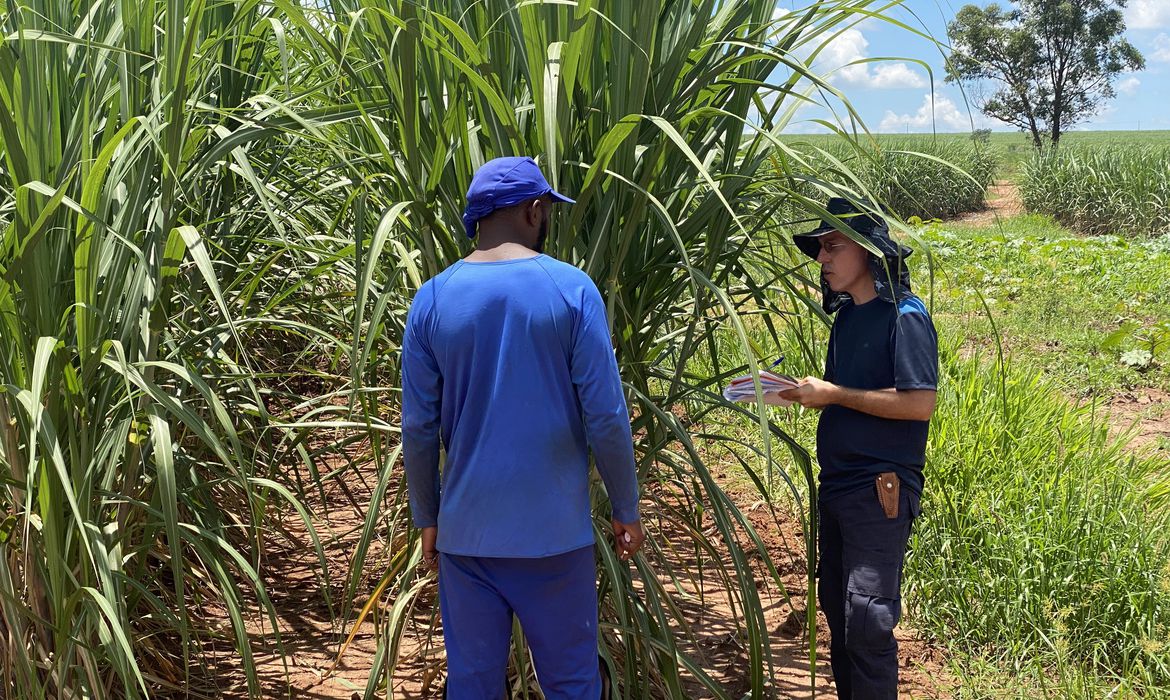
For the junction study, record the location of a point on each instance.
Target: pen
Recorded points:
(778, 361)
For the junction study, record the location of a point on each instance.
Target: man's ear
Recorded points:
(533, 213)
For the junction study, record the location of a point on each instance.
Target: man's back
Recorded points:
(509, 362)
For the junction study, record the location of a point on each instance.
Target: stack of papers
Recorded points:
(743, 389)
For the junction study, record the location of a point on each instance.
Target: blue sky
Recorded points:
(895, 96)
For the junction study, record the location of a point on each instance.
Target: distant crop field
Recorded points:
(1012, 148)
(1101, 188)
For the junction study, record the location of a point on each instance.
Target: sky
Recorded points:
(895, 96)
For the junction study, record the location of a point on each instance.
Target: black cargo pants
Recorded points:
(861, 556)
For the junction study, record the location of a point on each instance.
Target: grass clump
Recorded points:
(931, 179)
(1096, 190)
(917, 176)
(1043, 539)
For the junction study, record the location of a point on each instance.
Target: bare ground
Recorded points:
(1003, 201)
(1145, 413)
(311, 642)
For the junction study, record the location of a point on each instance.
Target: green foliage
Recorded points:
(1044, 540)
(932, 179)
(214, 216)
(639, 110)
(1053, 60)
(1150, 340)
(1097, 190)
(922, 177)
(136, 443)
(1043, 537)
(1009, 149)
(240, 199)
(1066, 305)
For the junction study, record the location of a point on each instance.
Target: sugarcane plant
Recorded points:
(204, 204)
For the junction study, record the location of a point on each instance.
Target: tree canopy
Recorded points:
(1053, 62)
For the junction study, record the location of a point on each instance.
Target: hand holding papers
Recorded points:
(743, 389)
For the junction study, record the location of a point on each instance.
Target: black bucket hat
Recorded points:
(891, 276)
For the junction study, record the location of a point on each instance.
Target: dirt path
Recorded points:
(292, 576)
(1003, 201)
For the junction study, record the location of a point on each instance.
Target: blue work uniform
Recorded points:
(509, 366)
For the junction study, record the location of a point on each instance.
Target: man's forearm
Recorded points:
(887, 403)
(613, 452)
(421, 458)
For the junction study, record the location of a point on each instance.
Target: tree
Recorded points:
(1054, 60)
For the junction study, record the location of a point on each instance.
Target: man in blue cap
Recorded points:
(878, 394)
(507, 360)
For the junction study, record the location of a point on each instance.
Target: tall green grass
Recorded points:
(1098, 190)
(640, 111)
(920, 176)
(214, 216)
(1011, 149)
(1041, 556)
(136, 443)
(930, 179)
(1043, 549)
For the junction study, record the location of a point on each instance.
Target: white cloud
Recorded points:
(1148, 14)
(1128, 86)
(1104, 110)
(842, 51)
(1161, 52)
(840, 57)
(896, 75)
(945, 116)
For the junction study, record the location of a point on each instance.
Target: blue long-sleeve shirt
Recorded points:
(510, 363)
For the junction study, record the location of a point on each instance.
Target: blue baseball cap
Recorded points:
(503, 182)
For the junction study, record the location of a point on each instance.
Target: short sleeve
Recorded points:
(915, 347)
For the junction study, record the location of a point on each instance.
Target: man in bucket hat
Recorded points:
(507, 359)
(877, 395)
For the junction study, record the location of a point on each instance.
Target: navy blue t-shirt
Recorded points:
(876, 345)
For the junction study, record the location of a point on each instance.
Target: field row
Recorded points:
(1092, 186)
